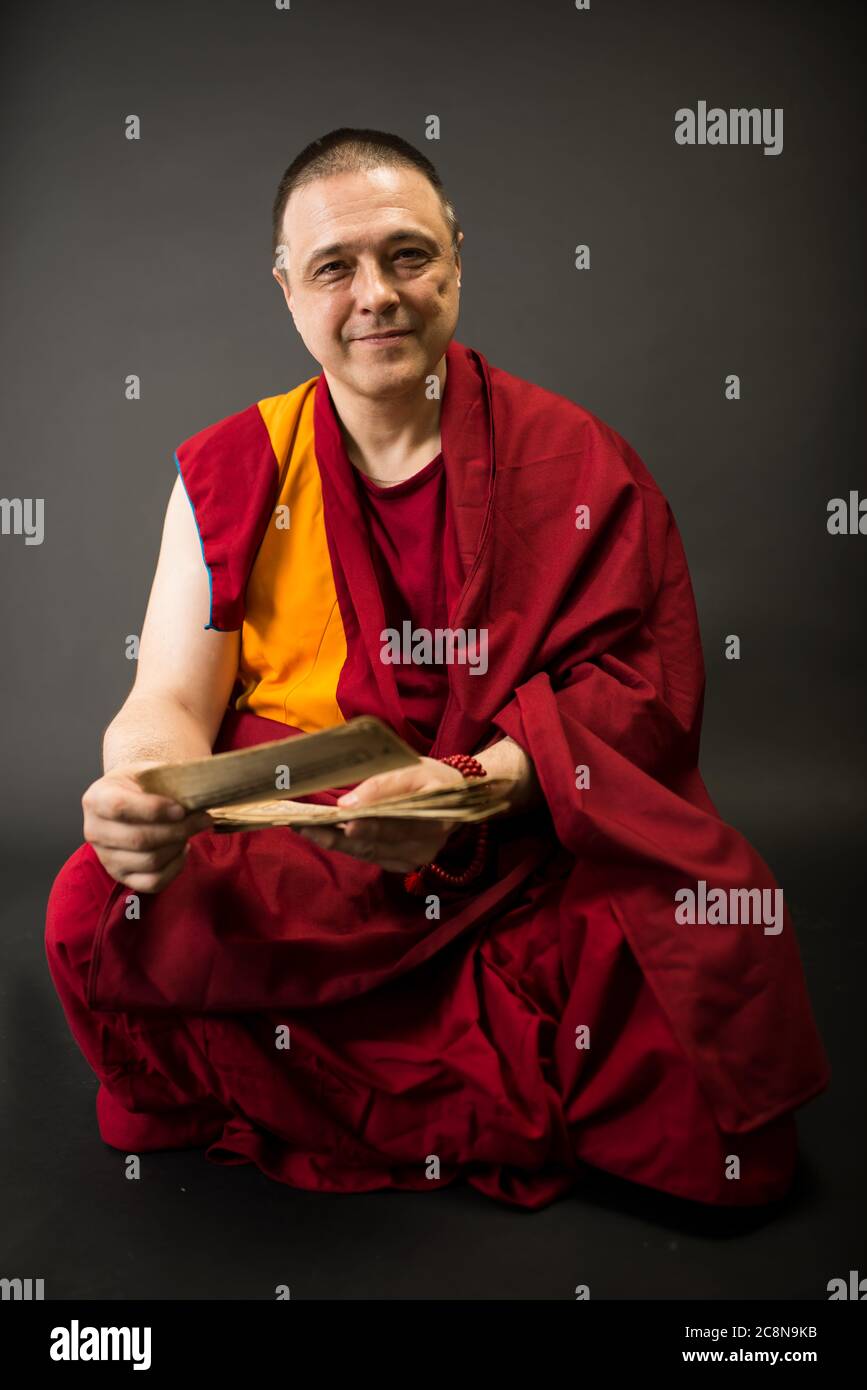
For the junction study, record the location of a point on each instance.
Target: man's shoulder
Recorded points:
(245, 426)
(543, 424)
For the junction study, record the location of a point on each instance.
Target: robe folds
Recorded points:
(555, 1013)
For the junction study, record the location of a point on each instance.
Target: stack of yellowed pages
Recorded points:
(254, 787)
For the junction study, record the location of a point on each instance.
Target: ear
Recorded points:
(287, 293)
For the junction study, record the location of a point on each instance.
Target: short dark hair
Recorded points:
(349, 150)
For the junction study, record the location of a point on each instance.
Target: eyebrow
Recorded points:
(338, 247)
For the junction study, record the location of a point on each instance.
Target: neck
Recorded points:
(390, 439)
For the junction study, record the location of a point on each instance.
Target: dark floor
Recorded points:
(189, 1229)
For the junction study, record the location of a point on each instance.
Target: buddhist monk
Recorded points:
(604, 976)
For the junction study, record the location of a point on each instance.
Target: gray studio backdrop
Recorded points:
(557, 129)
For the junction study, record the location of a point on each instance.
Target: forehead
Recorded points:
(360, 207)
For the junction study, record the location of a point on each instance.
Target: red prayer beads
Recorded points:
(414, 882)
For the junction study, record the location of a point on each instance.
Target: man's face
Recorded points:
(375, 282)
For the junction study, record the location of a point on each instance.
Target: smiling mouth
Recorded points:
(384, 337)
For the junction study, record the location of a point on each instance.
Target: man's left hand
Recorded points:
(396, 845)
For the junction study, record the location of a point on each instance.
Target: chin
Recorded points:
(378, 381)
(407, 365)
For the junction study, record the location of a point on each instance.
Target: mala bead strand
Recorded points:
(414, 882)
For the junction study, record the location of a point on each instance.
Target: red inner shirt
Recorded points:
(406, 524)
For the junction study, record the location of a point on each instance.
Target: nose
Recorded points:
(373, 289)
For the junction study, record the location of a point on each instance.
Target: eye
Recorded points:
(413, 251)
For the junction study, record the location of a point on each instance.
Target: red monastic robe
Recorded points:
(553, 1015)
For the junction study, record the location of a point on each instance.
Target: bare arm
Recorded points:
(185, 672)
(183, 681)
(508, 759)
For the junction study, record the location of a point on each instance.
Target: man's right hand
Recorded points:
(139, 838)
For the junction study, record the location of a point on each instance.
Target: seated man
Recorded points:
(487, 567)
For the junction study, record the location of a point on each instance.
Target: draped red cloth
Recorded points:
(406, 526)
(459, 1037)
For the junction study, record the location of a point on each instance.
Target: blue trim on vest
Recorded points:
(209, 623)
